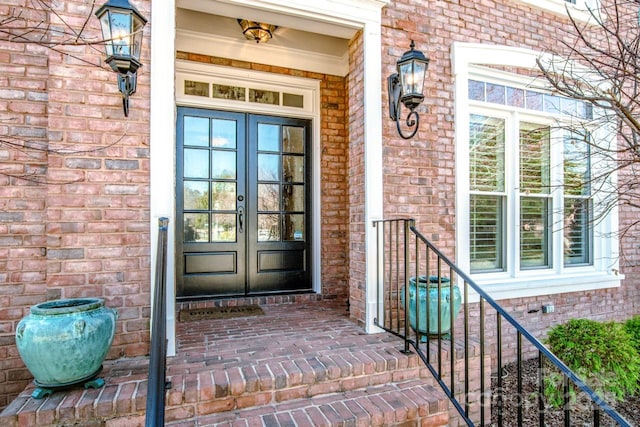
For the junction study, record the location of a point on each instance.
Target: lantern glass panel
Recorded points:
(138, 25)
(412, 77)
(106, 33)
(121, 34)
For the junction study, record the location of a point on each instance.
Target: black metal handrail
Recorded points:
(446, 346)
(158, 355)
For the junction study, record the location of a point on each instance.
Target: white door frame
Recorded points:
(360, 14)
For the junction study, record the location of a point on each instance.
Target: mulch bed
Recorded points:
(629, 409)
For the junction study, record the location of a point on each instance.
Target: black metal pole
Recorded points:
(158, 356)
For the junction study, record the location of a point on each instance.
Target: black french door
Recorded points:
(243, 208)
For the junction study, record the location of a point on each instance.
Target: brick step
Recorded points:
(288, 357)
(282, 379)
(384, 398)
(408, 403)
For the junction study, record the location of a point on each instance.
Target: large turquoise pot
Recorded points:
(64, 342)
(430, 287)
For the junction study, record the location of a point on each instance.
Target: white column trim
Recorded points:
(162, 148)
(374, 199)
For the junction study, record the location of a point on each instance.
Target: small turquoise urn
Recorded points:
(427, 304)
(64, 342)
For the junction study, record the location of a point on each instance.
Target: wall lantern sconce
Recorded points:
(122, 26)
(406, 87)
(258, 31)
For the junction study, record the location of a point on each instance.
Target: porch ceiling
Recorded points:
(314, 43)
(287, 19)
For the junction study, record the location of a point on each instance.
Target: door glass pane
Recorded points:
(196, 195)
(268, 137)
(223, 196)
(293, 168)
(487, 237)
(293, 227)
(293, 139)
(268, 227)
(534, 232)
(196, 163)
(268, 167)
(224, 133)
(196, 131)
(223, 164)
(268, 197)
(293, 198)
(196, 227)
(223, 227)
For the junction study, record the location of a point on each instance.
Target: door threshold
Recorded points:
(298, 298)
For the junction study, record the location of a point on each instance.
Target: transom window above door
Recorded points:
(219, 87)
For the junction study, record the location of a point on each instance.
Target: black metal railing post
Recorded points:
(156, 388)
(407, 293)
(489, 334)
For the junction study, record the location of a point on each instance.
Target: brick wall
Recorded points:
(357, 226)
(77, 222)
(23, 120)
(419, 174)
(333, 169)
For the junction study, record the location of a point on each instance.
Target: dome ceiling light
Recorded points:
(258, 31)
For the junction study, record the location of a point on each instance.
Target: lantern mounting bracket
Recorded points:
(395, 108)
(127, 86)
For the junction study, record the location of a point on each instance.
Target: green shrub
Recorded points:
(602, 354)
(632, 326)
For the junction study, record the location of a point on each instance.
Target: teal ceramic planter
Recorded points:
(64, 342)
(430, 287)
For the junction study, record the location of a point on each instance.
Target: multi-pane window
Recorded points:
(529, 194)
(535, 195)
(487, 185)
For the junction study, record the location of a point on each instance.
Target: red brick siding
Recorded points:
(419, 174)
(97, 213)
(84, 231)
(23, 108)
(333, 169)
(357, 226)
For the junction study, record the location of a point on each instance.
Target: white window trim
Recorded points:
(579, 11)
(467, 59)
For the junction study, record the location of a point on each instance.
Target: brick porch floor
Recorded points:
(299, 364)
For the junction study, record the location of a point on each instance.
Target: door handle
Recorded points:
(241, 220)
